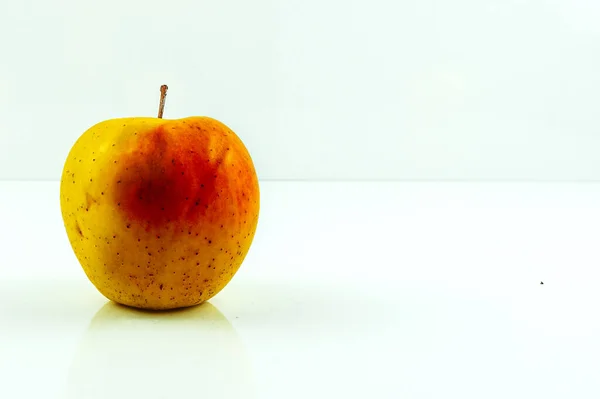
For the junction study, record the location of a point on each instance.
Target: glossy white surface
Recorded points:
(382, 290)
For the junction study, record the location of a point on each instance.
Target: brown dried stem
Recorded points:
(163, 95)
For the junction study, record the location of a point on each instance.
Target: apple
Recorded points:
(159, 213)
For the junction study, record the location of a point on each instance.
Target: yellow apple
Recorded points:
(160, 213)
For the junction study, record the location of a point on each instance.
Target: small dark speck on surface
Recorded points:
(541, 283)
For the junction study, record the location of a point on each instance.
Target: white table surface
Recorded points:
(350, 290)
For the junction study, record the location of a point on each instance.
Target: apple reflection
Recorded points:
(129, 353)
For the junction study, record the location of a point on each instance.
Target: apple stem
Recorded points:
(163, 95)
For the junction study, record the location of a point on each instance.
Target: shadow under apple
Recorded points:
(128, 353)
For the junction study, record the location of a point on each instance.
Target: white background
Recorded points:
(363, 289)
(383, 89)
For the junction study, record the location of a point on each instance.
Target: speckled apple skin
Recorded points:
(160, 213)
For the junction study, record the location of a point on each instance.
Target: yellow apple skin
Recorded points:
(160, 213)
